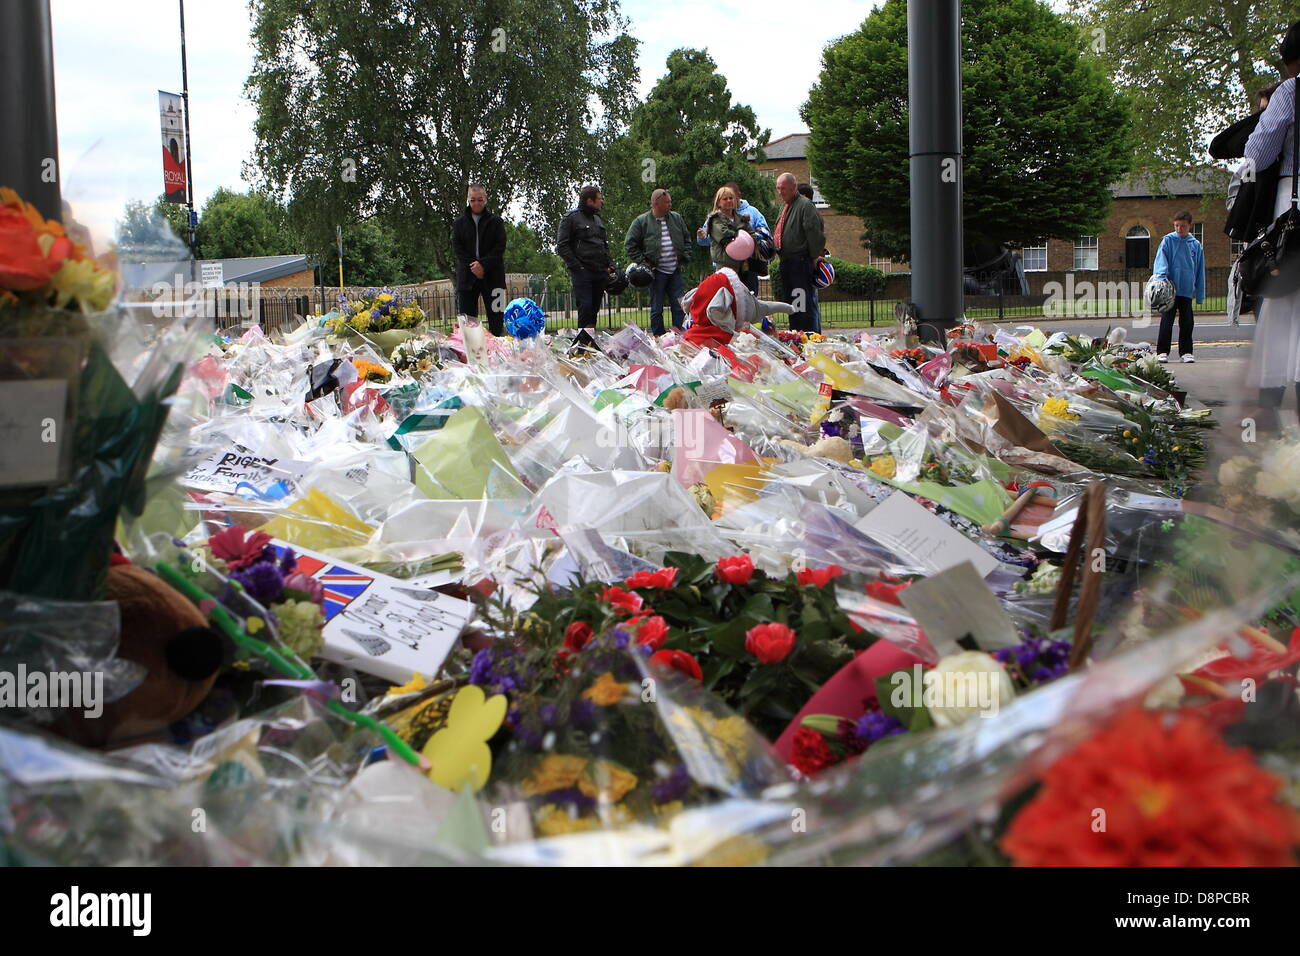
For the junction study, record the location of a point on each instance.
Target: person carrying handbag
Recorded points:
(1275, 358)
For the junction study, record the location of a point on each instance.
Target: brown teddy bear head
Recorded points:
(169, 637)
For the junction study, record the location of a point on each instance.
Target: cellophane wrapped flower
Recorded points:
(300, 625)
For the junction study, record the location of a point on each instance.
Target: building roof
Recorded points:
(142, 275)
(1210, 180)
(794, 146)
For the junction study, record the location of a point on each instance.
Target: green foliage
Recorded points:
(236, 225)
(1189, 69)
(370, 257)
(528, 251)
(687, 137)
(855, 279)
(394, 108)
(708, 618)
(1044, 132)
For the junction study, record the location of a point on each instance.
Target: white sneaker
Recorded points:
(1162, 357)
(1189, 357)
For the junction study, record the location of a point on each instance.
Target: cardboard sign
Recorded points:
(32, 419)
(380, 624)
(957, 605)
(226, 469)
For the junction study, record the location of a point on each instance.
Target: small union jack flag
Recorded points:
(342, 585)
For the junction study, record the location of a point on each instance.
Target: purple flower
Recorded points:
(583, 713)
(672, 787)
(262, 581)
(549, 714)
(314, 590)
(874, 725)
(480, 670)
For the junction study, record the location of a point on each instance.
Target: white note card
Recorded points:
(921, 538)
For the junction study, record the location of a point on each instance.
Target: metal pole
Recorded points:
(189, 152)
(934, 141)
(29, 150)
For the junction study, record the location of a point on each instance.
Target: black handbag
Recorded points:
(1270, 264)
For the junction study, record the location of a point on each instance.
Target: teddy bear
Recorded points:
(169, 637)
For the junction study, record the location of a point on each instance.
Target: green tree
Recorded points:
(371, 257)
(153, 232)
(236, 225)
(1044, 132)
(1189, 69)
(394, 108)
(688, 137)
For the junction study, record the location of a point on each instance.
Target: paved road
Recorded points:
(1211, 331)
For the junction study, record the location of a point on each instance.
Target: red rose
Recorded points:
(736, 570)
(577, 635)
(663, 578)
(625, 601)
(770, 642)
(886, 592)
(820, 577)
(810, 753)
(651, 631)
(679, 661)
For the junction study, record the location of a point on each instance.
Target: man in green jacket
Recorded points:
(800, 240)
(661, 240)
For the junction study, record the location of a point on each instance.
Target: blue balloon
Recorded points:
(524, 318)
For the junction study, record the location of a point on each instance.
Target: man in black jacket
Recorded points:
(478, 240)
(583, 246)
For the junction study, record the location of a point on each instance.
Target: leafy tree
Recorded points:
(370, 257)
(1190, 69)
(530, 252)
(1044, 132)
(153, 232)
(235, 225)
(688, 137)
(393, 108)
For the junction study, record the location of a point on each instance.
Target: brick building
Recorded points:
(1139, 217)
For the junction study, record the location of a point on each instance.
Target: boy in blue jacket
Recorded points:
(1181, 260)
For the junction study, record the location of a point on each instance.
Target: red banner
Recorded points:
(171, 115)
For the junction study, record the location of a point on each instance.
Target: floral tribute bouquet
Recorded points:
(41, 268)
(763, 645)
(1264, 488)
(615, 734)
(377, 310)
(250, 565)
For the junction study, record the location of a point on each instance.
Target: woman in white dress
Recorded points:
(1275, 359)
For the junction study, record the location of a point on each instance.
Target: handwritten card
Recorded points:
(380, 624)
(227, 468)
(918, 536)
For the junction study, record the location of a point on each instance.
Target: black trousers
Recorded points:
(588, 290)
(797, 288)
(1183, 310)
(467, 301)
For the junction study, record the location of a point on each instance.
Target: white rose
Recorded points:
(966, 685)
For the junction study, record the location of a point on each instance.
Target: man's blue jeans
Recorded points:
(671, 283)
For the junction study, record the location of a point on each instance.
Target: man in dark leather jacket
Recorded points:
(583, 246)
(478, 240)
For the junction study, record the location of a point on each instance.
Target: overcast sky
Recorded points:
(112, 56)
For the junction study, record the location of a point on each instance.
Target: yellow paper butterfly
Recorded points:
(459, 752)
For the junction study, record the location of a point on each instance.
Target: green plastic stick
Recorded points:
(230, 627)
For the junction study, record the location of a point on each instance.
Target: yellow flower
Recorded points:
(1127, 433)
(553, 820)
(84, 281)
(1059, 408)
(412, 686)
(885, 466)
(606, 691)
(555, 772)
(385, 297)
(608, 781)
